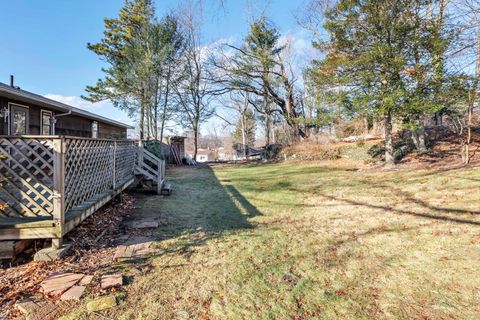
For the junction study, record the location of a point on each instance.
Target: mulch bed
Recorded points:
(93, 249)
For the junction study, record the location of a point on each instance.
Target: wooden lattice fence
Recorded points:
(37, 170)
(26, 176)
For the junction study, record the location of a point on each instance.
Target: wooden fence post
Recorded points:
(58, 190)
(140, 152)
(114, 164)
(159, 176)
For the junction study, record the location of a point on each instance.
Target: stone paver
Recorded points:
(135, 248)
(112, 280)
(101, 303)
(28, 306)
(74, 293)
(146, 223)
(86, 280)
(59, 283)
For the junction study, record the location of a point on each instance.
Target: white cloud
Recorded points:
(77, 102)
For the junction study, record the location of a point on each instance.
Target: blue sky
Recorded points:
(43, 43)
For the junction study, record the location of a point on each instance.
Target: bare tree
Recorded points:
(193, 87)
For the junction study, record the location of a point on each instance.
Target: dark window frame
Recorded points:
(11, 107)
(43, 111)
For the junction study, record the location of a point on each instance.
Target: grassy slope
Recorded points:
(313, 240)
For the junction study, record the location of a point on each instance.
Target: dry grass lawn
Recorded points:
(311, 241)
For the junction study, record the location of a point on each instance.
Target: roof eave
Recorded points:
(25, 96)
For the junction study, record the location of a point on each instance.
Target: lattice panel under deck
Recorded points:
(26, 171)
(88, 169)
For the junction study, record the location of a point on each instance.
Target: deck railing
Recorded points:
(58, 178)
(150, 167)
(94, 166)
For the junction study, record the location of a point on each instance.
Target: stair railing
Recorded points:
(150, 166)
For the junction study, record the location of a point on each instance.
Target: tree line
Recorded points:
(395, 62)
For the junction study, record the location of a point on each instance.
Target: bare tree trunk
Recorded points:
(387, 122)
(419, 139)
(244, 135)
(267, 129)
(162, 127)
(155, 122)
(439, 58)
(471, 103)
(195, 139)
(165, 104)
(266, 110)
(471, 100)
(142, 117)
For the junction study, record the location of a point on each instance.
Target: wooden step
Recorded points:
(166, 189)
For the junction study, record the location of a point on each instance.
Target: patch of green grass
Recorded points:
(312, 241)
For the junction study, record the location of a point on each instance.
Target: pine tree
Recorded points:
(126, 79)
(366, 56)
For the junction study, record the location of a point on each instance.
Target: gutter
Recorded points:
(55, 116)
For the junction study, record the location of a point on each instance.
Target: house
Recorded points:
(26, 113)
(206, 155)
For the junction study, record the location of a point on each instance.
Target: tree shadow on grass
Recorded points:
(406, 212)
(200, 209)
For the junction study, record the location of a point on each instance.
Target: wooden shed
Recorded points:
(177, 144)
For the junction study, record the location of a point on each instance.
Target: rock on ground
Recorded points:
(101, 304)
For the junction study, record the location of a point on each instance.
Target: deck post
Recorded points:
(58, 190)
(114, 164)
(140, 152)
(159, 176)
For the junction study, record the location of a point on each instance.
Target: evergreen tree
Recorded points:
(366, 57)
(126, 81)
(258, 67)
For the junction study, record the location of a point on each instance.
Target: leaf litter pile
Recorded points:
(93, 248)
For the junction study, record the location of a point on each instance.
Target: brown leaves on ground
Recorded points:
(92, 249)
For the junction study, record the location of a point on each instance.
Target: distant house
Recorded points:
(206, 155)
(222, 155)
(26, 113)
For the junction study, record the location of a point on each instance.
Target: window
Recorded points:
(95, 129)
(18, 120)
(45, 123)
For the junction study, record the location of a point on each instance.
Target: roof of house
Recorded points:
(29, 97)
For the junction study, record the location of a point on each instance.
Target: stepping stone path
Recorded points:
(135, 248)
(147, 223)
(74, 293)
(112, 281)
(28, 306)
(59, 283)
(86, 280)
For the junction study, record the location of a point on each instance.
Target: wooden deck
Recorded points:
(50, 184)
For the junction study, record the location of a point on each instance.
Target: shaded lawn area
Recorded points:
(312, 241)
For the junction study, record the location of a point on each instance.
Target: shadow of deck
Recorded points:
(199, 209)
